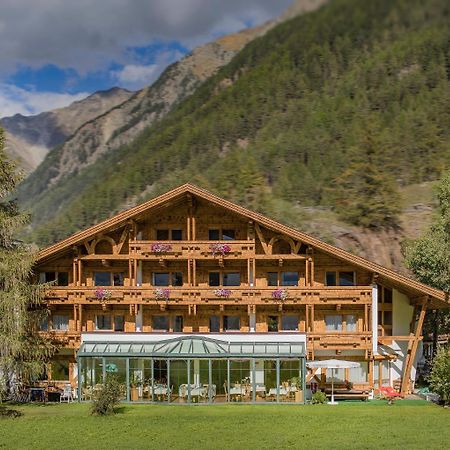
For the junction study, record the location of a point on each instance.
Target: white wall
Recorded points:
(402, 313)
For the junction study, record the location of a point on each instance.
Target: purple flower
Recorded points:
(162, 293)
(280, 294)
(158, 247)
(102, 294)
(223, 249)
(222, 293)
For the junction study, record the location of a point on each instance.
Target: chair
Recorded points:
(86, 393)
(390, 394)
(66, 394)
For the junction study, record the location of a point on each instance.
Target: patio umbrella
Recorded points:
(333, 364)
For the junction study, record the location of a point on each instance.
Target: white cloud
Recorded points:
(15, 100)
(88, 34)
(136, 76)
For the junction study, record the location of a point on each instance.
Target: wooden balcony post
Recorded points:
(312, 317)
(194, 272)
(80, 318)
(79, 272)
(413, 344)
(75, 275)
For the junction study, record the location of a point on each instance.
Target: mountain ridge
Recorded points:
(29, 138)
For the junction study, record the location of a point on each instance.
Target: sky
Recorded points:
(53, 52)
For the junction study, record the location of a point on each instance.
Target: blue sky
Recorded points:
(53, 52)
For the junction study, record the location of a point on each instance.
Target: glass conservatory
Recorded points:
(195, 369)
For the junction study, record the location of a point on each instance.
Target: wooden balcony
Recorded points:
(360, 340)
(210, 295)
(69, 338)
(191, 249)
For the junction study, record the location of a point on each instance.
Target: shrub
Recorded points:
(319, 397)
(108, 397)
(440, 374)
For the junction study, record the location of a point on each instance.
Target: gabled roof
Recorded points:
(393, 277)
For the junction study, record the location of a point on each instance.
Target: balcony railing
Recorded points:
(360, 340)
(201, 295)
(191, 249)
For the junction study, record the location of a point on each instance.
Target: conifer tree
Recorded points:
(23, 353)
(429, 258)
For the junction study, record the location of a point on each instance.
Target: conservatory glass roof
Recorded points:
(193, 347)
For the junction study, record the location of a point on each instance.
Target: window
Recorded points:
(214, 278)
(43, 325)
(330, 278)
(214, 235)
(333, 322)
(272, 279)
(272, 323)
(177, 279)
(103, 322)
(214, 324)
(160, 278)
(177, 235)
(164, 279)
(165, 235)
(346, 278)
(119, 323)
(231, 279)
(231, 323)
(289, 278)
(351, 322)
(63, 278)
(384, 311)
(117, 279)
(289, 323)
(224, 235)
(178, 324)
(162, 235)
(60, 322)
(102, 278)
(228, 235)
(108, 278)
(340, 278)
(160, 323)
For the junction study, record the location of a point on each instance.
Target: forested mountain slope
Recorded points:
(120, 124)
(340, 108)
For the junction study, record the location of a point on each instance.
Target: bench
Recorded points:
(349, 394)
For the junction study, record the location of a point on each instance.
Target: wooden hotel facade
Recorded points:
(189, 268)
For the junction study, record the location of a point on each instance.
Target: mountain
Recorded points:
(124, 122)
(29, 138)
(326, 122)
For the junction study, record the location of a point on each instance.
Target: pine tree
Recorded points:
(23, 353)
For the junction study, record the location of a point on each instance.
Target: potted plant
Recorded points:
(280, 294)
(220, 249)
(135, 383)
(159, 247)
(103, 295)
(298, 393)
(223, 293)
(162, 294)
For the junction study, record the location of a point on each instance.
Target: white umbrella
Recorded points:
(333, 364)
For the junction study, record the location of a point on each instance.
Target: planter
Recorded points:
(134, 394)
(299, 397)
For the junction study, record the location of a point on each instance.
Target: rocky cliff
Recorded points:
(29, 138)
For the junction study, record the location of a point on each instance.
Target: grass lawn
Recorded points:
(406, 425)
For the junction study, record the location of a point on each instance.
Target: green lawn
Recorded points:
(406, 425)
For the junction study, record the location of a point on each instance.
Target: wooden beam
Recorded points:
(412, 350)
(261, 238)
